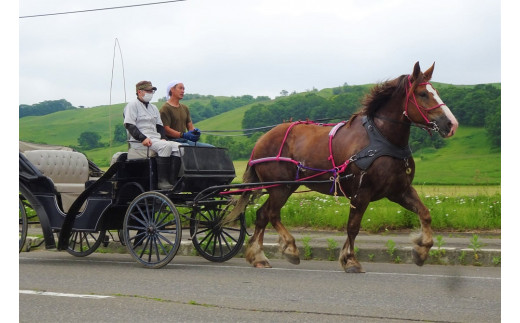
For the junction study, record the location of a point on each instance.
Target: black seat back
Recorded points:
(203, 167)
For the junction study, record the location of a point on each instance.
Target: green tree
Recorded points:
(43, 108)
(120, 133)
(89, 140)
(493, 129)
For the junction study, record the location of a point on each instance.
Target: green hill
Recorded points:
(466, 159)
(231, 120)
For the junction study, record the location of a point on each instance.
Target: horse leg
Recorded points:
(287, 242)
(347, 256)
(277, 199)
(255, 250)
(270, 212)
(424, 241)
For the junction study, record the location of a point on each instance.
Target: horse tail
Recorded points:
(248, 196)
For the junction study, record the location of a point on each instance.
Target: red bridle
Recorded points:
(420, 108)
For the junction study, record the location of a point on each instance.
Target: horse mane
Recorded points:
(379, 95)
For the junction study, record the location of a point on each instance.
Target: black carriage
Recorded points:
(72, 199)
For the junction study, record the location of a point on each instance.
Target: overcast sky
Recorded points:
(237, 47)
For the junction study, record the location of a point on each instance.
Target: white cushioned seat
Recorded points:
(134, 153)
(68, 171)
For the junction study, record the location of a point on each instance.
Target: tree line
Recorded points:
(200, 111)
(477, 106)
(43, 108)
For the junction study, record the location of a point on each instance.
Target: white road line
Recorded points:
(35, 292)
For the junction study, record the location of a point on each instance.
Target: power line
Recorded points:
(99, 9)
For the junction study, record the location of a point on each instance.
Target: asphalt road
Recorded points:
(57, 287)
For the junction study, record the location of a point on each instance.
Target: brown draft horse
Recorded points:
(393, 106)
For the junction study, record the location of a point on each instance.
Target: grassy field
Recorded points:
(466, 159)
(453, 208)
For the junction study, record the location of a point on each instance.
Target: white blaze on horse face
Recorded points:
(447, 111)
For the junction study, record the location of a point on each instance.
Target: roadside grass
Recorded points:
(454, 212)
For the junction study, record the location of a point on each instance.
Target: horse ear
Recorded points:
(428, 73)
(416, 72)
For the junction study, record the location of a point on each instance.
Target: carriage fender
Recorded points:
(68, 222)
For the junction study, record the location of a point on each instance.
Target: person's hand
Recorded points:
(147, 142)
(190, 136)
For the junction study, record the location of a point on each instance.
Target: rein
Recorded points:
(420, 108)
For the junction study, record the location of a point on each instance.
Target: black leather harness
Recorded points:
(378, 146)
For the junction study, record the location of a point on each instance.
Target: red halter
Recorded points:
(419, 108)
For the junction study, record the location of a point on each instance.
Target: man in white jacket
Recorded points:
(143, 123)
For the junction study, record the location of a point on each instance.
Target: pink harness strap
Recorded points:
(267, 159)
(278, 157)
(335, 170)
(332, 133)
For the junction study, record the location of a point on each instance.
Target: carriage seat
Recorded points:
(68, 171)
(134, 153)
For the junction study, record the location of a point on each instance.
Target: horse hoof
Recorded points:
(262, 264)
(295, 260)
(417, 258)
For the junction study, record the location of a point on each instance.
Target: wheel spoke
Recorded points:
(210, 236)
(83, 243)
(142, 236)
(134, 217)
(163, 238)
(166, 215)
(203, 230)
(224, 235)
(163, 247)
(219, 243)
(145, 246)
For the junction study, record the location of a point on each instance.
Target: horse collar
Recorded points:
(378, 146)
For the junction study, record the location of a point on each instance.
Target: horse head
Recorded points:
(424, 106)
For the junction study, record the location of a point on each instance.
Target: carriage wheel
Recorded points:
(152, 229)
(23, 226)
(213, 241)
(121, 237)
(82, 243)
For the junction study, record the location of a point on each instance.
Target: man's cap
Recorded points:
(145, 85)
(170, 85)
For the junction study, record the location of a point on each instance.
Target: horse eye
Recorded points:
(423, 94)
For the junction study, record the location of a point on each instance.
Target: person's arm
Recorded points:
(161, 131)
(135, 132)
(172, 133)
(190, 126)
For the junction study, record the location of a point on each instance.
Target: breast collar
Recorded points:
(378, 146)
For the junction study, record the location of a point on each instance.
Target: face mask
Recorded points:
(147, 97)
